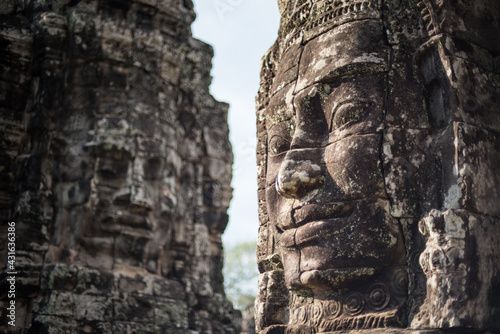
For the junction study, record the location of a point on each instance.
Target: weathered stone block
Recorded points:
(61, 304)
(60, 277)
(133, 285)
(54, 325)
(94, 281)
(478, 152)
(96, 327)
(90, 308)
(461, 263)
(98, 252)
(170, 313)
(168, 288)
(133, 327)
(134, 308)
(412, 168)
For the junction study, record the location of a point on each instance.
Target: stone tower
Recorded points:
(116, 169)
(378, 154)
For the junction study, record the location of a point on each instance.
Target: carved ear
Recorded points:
(436, 84)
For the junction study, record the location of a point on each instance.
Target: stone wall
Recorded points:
(116, 169)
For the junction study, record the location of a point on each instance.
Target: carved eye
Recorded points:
(278, 145)
(348, 112)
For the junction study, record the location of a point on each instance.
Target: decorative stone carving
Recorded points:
(459, 262)
(116, 169)
(371, 114)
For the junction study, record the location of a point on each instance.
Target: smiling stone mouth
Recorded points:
(313, 212)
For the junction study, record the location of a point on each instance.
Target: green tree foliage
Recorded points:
(241, 274)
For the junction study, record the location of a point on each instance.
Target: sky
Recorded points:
(240, 31)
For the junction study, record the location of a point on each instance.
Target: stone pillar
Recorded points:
(116, 169)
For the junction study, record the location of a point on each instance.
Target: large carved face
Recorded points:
(325, 186)
(361, 114)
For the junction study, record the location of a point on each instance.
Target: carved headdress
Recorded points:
(303, 20)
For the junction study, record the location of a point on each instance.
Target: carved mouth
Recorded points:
(349, 243)
(318, 231)
(312, 222)
(314, 212)
(116, 222)
(313, 232)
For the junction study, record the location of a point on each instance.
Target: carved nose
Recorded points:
(135, 200)
(296, 179)
(139, 202)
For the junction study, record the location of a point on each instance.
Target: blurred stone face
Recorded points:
(117, 167)
(132, 196)
(325, 186)
(125, 186)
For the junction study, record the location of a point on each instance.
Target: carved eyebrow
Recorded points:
(354, 69)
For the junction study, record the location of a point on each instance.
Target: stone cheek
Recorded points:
(117, 167)
(353, 183)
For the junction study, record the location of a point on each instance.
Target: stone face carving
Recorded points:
(116, 167)
(370, 115)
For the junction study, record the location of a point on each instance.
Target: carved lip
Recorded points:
(335, 277)
(122, 219)
(313, 221)
(319, 230)
(314, 212)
